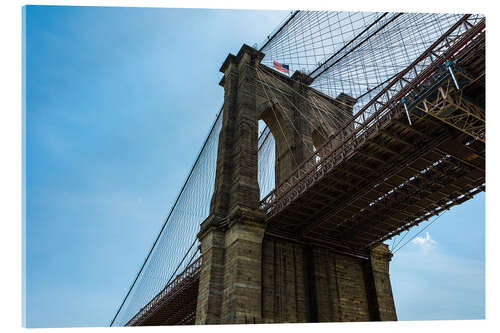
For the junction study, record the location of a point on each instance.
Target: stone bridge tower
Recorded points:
(247, 274)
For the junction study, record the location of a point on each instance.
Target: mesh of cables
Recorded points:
(355, 53)
(310, 37)
(391, 45)
(177, 245)
(266, 160)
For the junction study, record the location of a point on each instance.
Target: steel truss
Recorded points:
(450, 106)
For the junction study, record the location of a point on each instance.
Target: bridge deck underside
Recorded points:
(399, 176)
(354, 204)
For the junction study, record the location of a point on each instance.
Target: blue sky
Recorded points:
(441, 273)
(118, 103)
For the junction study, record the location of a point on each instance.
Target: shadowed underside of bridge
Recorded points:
(413, 150)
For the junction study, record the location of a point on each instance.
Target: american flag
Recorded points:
(281, 67)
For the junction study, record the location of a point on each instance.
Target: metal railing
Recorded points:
(190, 273)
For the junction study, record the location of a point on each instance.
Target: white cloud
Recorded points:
(426, 242)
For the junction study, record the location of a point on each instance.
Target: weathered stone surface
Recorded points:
(340, 284)
(380, 257)
(231, 237)
(211, 284)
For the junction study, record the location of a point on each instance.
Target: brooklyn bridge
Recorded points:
(377, 125)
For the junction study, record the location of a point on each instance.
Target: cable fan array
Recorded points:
(355, 53)
(288, 103)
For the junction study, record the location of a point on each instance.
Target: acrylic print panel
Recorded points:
(175, 175)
